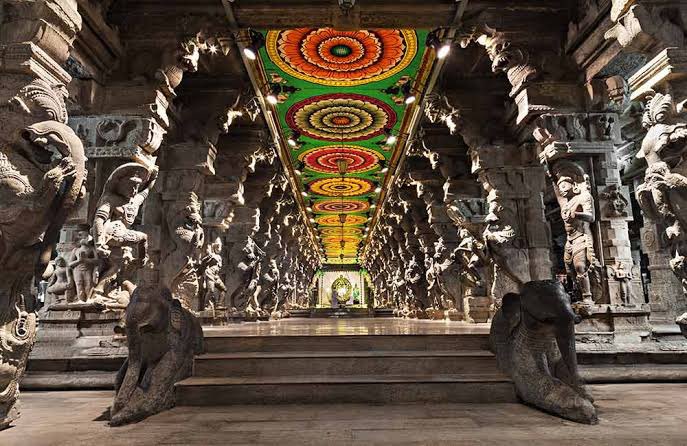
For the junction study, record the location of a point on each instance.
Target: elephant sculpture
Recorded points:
(163, 337)
(533, 337)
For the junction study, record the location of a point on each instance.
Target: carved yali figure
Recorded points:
(42, 171)
(117, 209)
(663, 195)
(163, 337)
(533, 337)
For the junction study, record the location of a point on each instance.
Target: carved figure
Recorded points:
(577, 212)
(213, 286)
(663, 195)
(83, 264)
(624, 278)
(179, 265)
(116, 211)
(163, 337)
(533, 337)
(61, 285)
(616, 202)
(42, 171)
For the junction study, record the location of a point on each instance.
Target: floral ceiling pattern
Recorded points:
(338, 98)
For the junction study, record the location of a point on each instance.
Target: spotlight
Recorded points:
(297, 172)
(444, 51)
(378, 190)
(442, 48)
(312, 220)
(257, 41)
(390, 137)
(309, 209)
(372, 206)
(304, 193)
(406, 89)
(293, 139)
(384, 170)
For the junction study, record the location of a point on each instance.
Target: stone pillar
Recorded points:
(35, 42)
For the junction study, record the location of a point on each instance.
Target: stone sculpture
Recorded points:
(83, 264)
(116, 211)
(533, 337)
(60, 288)
(42, 171)
(163, 337)
(624, 278)
(213, 286)
(663, 195)
(577, 211)
(179, 265)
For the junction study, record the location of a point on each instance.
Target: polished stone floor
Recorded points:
(346, 327)
(631, 414)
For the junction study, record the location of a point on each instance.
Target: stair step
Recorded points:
(614, 373)
(299, 363)
(218, 342)
(458, 388)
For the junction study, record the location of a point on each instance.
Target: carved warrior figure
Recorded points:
(533, 337)
(42, 171)
(577, 212)
(116, 211)
(663, 195)
(179, 265)
(163, 337)
(213, 286)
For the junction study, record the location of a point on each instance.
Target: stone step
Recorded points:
(261, 364)
(218, 342)
(623, 373)
(457, 388)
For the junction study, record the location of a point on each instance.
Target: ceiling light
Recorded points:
(272, 99)
(342, 165)
(444, 51)
(304, 193)
(384, 170)
(257, 41)
(372, 206)
(407, 91)
(293, 139)
(309, 209)
(297, 172)
(312, 220)
(342, 218)
(378, 190)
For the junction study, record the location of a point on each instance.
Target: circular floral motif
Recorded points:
(335, 187)
(339, 206)
(324, 159)
(327, 56)
(336, 240)
(333, 220)
(341, 116)
(347, 231)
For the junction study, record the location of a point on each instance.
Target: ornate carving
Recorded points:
(438, 109)
(571, 186)
(178, 61)
(42, 171)
(642, 27)
(118, 136)
(533, 337)
(179, 265)
(505, 57)
(663, 195)
(213, 289)
(616, 204)
(116, 212)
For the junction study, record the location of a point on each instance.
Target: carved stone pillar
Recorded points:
(39, 187)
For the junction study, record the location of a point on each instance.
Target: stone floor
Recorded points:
(346, 327)
(631, 414)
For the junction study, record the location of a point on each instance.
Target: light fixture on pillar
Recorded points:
(257, 41)
(390, 137)
(293, 139)
(406, 91)
(442, 48)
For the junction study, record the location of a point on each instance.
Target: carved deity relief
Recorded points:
(213, 288)
(663, 195)
(42, 172)
(117, 245)
(571, 186)
(179, 265)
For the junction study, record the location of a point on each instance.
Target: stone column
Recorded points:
(38, 193)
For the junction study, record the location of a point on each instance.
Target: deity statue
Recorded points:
(60, 285)
(83, 264)
(577, 212)
(213, 286)
(117, 209)
(624, 278)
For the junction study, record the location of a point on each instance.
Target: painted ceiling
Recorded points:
(339, 95)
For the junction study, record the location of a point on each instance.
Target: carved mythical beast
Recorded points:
(533, 337)
(163, 337)
(42, 171)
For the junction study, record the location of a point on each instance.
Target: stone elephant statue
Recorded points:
(163, 337)
(533, 337)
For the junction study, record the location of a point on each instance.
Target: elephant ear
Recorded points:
(511, 309)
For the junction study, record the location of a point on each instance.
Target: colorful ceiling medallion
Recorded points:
(336, 187)
(332, 57)
(333, 220)
(337, 206)
(347, 231)
(341, 117)
(324, 159)
(335, 240)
